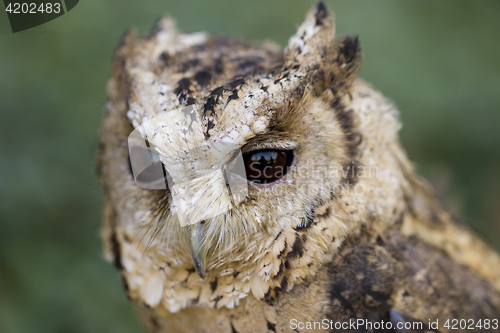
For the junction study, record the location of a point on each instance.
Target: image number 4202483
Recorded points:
(31, 13)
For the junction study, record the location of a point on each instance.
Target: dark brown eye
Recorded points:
(267, 166)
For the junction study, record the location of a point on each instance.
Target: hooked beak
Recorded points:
(198, 246)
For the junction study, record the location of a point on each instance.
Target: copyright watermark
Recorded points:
(398, 323)
(172, 151)
(354, 324)
(28, 14)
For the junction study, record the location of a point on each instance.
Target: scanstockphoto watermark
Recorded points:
(398, 323)
(311, 176)
(171, 151)
(359, 324)
(311, 170)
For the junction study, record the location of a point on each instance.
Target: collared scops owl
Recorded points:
(254, 189)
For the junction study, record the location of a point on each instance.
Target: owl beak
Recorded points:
(198, 247)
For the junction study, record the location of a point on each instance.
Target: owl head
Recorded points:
(232, 167)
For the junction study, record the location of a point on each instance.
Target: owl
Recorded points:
(254, 189)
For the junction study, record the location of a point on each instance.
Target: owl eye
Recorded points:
(147, 168)
(267, 166)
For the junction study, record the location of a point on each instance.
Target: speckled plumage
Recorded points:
(350, 232)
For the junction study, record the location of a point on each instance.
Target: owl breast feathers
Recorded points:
(250, 189)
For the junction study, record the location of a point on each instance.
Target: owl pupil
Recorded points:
(267, 166)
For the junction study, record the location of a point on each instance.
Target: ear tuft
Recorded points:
(346, 64)
(312, 39)
(349, 49)
(125, 43)
(326, 64)
(164, 24)
(122, 51)
(321, 13)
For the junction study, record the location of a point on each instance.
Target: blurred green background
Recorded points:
(438, 60)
